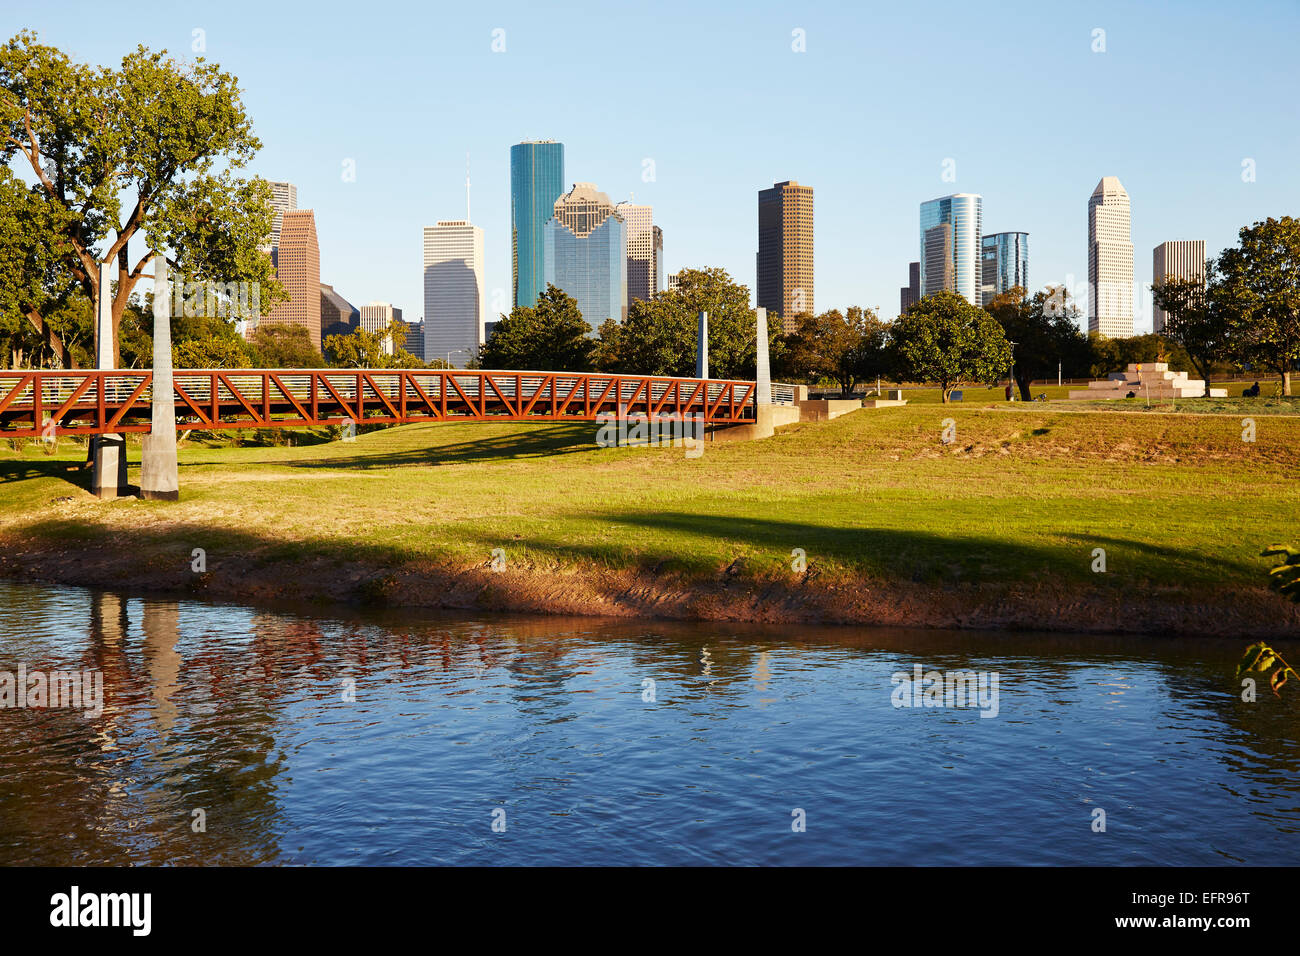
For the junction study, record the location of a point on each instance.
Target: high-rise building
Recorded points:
(910, 294)
(1110, 261)
(1005, 259)
(297, 263)
(536, 182)
(284, 197)
(658, 269)
(415, 339)
(951, 227)
(455, 291)
(338, 316)
(377, 316)
(785, 251)
(674, 281)
(644, 245)
(1181, 259)
(585, 253)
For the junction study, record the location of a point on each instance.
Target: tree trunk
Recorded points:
(1024, 382)
(1286, 382)
(51, 339)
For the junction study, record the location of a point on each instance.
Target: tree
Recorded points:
(844, 348)
(1257, 284)
(606, 353)
(946, 340)
(659, 337)
(164, 136)
(1045, 330)
(1195, 318)
(550, 336)
(284, 346)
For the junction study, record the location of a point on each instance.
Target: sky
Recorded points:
(693, 107)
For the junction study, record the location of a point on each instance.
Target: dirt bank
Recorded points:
(730, 594)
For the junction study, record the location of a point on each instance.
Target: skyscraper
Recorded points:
(585, 253)
(785, 251)
(338, 316)
(644, 245)
(1005, 263)
(454, 291)
(951, 228)
(1182, 259)
(536, 182)
(297, 263)
(1110, 261)
(909, 294)
(377, 316)
(284, 197)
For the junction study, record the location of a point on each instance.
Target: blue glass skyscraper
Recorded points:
(951, 227)
(536, 181)
(1006, 263)
(586, 254)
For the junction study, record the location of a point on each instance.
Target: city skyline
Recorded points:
(701, 176)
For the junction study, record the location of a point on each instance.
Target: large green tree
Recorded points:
(1046, 332)
(946, 340)
(1257, 284)
(846, 348)
(550, 336)
(148, 150)
(659, 337)
(1195, 318)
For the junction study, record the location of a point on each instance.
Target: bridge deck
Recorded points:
(40, 402)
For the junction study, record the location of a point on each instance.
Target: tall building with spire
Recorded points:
(951, 230)
(536, 182)
(785, 251)
(586, 255)
(1110, 260)
(454, 291)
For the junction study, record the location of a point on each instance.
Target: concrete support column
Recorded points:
(763, 391)
(159, 478)
(702, 348)
(108, 477)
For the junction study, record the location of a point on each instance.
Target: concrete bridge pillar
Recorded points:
(763, 389)
(159, 478)
(702, 348)
(108, 476)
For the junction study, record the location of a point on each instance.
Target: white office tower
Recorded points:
(284, 198)
(455, 294)
(1181, 259)
(1110, 261)
(644, 247)
(377, 316)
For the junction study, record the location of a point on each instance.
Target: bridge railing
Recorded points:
(90, 402)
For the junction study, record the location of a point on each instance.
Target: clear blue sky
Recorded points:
(717, 98)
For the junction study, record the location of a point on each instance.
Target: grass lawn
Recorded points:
(1022, 497)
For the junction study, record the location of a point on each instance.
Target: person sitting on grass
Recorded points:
(1252, 392)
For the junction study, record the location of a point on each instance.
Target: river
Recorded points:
(238, 735)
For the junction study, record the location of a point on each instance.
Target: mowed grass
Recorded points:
(1024, 495)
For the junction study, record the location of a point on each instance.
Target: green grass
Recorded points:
(1024, 495)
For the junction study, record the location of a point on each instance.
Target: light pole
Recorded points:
(454, 352)
(1011, 389)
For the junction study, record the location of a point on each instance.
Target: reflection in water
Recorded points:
(305, 738)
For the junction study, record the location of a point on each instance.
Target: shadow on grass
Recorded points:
(543, 442)
(24, 469)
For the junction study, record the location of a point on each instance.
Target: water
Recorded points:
(241, 714)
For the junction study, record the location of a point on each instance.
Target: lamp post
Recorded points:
(1011, 389)
(454, 352)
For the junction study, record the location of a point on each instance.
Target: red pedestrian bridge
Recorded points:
(41, 403)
